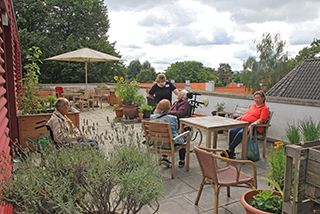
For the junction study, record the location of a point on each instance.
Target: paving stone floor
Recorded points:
(179, 194)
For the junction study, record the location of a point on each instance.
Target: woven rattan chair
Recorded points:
(230, 175)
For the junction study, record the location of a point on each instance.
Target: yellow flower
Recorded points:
(121, 79)
(278, 144)
(116, 78)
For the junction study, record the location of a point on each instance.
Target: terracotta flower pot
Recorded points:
(130, 111)
(119, 113)
(247, 197)
(140, 115)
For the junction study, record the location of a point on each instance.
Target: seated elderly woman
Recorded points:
(161, 113)
(63, 130)
(258, 113)
(181, 107)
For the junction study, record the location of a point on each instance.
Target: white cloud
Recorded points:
(212, 32)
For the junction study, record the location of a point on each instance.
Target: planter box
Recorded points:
(302, 173)
(27, 125)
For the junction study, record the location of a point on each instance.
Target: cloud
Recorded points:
(136, 5)
(243, 54)
(189, 37)
(132, 46)
(152, 21)
(304, 35)
(249, 11)
(221, 37)
(207, 31)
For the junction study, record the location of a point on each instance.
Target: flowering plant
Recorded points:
(277, 165)
(126, 90)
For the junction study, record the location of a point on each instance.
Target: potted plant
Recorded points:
(146, 109)
(219, 109)
(31, 108)
(262, 202)
(140, 113)
(118, 110)
(72, 179)
(127, 91)
(268, 201)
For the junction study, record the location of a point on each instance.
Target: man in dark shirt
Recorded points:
(162, 89)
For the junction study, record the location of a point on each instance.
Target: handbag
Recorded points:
(253, 153)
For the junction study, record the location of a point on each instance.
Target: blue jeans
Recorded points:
(235, 138)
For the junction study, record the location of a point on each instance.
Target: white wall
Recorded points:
(282, 113)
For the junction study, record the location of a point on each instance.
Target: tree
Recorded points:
(235, 77)
(147, 73)
(224, 73)
(189, 70)
(133, 69)
(308, 52)
(271, 65)
(60, 26)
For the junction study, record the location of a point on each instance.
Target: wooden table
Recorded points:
(212, 124)
(72, 95)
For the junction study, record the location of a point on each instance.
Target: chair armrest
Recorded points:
(239, 162)
(181, 135)
(228, 113)
(215, 150)
(263, 125)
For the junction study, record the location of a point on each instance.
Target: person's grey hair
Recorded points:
(183, 92)
(262, 95)
(61, 101)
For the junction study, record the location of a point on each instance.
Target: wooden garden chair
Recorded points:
(230, 175)
(263, 136)
(159, 139)
(238, 111)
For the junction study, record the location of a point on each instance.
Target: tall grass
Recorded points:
(293, 134)
(310, 130)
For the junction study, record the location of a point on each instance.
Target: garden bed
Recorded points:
(28, 123)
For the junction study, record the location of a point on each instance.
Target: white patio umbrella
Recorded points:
(84, 55)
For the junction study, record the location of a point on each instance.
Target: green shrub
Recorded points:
(84, 179)
(28, 100)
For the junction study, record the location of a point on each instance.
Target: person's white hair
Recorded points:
(182, 94)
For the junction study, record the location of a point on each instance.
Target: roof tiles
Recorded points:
(303, 82)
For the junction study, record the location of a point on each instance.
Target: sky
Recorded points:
(209, 31)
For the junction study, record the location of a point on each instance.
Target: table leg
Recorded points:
(208, 138)
(215, 138)
(188, 152)
(244, 143)
(181, 127)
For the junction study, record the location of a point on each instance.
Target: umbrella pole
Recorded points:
(86, 73)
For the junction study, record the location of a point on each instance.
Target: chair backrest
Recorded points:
(158, 133)
(240, 110)
(266, 125)
(59, 91)
(207, 163)
(269, 118)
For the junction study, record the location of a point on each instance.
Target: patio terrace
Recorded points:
(179, 194)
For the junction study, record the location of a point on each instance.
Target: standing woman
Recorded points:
(162, 89)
